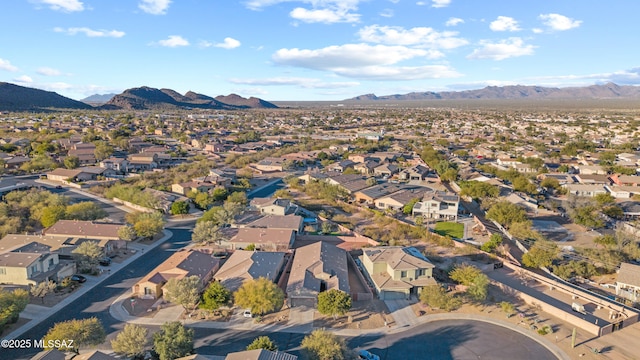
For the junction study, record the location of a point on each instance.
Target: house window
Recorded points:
(50, 263)
(403, 274)
(3, 271)
(420, 272)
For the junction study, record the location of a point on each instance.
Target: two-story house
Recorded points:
(438, 205)
(32, 264)
(397, 272)
(628, 282)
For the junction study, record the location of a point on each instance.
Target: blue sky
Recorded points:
(316, 49)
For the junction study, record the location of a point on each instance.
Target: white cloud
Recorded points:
(394, 1)
(154, 7)
(559, 22)
(440, 3)
(537, 30)
(349, 55)
(391, 73)
(173, 41)
(90, 32)
(364, 61)
(387, 13)
(327, 16)
(504, 23)
(421, 3)
(6, 65)
(322, 11)
(47, 71)
(63, 5)
(23, 79)
(453, 21)
(504, 49)
(229, 43)
(307, 83)
(419, 36)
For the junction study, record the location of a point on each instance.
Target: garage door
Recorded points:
(394, 295)
(301, 301)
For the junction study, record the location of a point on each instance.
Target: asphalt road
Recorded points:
(267, 191)
(96, 301)
(442, 340)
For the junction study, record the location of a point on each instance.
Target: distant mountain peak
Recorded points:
(150, 98)
(604, 91)
(18, 98)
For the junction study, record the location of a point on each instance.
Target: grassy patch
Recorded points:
(452, 229)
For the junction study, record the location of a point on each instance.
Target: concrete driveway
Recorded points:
(402, 312)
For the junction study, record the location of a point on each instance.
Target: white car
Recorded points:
(247, 314)
(365, 355)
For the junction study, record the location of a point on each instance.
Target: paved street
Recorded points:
(96, 301)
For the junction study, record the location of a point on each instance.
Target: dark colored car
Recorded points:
(105, 261)
(78, 278)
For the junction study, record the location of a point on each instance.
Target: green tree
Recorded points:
(215, 296)
(84, 332)
(251, 247)
(494, 241)
(541, 254)
(260, 296)
(479, 287)
(437, 297)
(179, 208)
(127, 233)
(604, 199)
(478, 190)
(173, 341)
(103, 150)
(262, 342)
(508, 308)
(51, 214)
(239, 197)
(334, 302)
(219, 194)
(147, 224)
(204, 200)
(323, 345)
(464, 274)
(12, 303)
(407, 209)
(85, 210)
(506, 213)
(131, 341)
(550, 183)
(71, 162)
(86, 256)
(206, 232)
(42, 289)
(607, 240)
(524, 230)
(184, 292)
(587, 215)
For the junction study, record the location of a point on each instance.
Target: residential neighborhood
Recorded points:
(449, 213)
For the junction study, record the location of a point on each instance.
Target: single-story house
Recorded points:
(248, 265)
(263, 239)
(316, 268)
(290, 222)
(181, 264)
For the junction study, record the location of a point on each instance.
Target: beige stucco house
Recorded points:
(397, 272)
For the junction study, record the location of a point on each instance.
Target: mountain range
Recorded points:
(19, 98)
(605, 91)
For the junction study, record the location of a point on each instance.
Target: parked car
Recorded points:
(105, 261)
(78, 278)
(247, 314)
(366, 355)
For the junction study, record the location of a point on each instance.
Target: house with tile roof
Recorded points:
(397, 272)
(317, 267)
(181, 264)
(264, 239)
(250, 265)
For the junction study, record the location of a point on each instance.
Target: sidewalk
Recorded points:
(38, 313)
